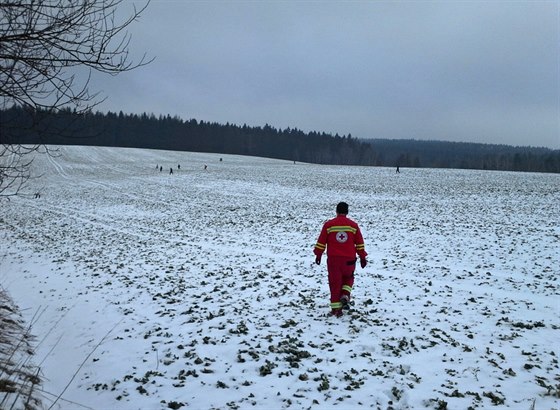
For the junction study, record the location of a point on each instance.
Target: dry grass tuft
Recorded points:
(19, 377)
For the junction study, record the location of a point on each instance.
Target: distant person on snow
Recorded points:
(170, 171)
(342, 239)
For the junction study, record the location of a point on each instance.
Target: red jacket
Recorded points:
(341, 236)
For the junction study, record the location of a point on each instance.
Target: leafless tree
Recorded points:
(48, 50)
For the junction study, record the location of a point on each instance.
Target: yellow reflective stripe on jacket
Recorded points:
(341, 229)
(321, 246)
(360, 247)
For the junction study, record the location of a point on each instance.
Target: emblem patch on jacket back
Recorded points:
(341, 237)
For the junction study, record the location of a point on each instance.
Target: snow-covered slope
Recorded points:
(198, 289)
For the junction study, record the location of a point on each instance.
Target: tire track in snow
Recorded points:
(146, 233)
(58, 167)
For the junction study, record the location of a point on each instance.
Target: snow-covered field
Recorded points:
(198, 290)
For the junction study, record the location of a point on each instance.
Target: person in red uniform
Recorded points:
(342, 239)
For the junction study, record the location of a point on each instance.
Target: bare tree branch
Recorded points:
(42, 44)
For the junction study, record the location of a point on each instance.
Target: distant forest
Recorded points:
(21, 126)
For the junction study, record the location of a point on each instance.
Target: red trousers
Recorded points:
(341, 278)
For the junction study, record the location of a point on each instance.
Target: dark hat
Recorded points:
(342, 208)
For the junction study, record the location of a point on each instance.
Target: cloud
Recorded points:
(469, 71)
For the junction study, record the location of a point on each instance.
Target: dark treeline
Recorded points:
(462, 155)
(19, 126)
(172, 133)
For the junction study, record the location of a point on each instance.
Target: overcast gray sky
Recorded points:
(473, 71)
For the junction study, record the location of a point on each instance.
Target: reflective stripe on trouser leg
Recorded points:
(347, 281)
(336, 305)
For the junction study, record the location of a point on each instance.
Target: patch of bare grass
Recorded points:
(19, 377)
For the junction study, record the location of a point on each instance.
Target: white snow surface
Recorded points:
(198, 289)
